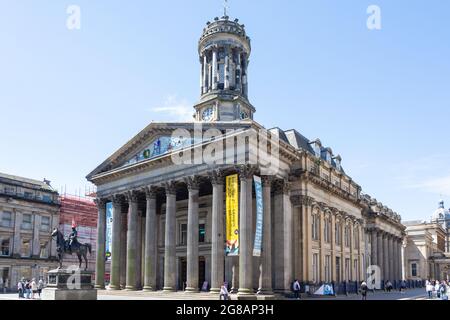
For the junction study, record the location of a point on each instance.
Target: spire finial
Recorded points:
(225, 8)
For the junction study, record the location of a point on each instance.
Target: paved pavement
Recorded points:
(413, 294)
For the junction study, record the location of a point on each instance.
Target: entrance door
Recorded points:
(201, 272)
(183, 274)
(338, 269)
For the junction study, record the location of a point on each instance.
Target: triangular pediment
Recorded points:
(156, 140)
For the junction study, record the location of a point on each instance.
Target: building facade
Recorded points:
(426, 254)
(168, 193)
(29, 209)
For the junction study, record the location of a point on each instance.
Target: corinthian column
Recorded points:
(101, 239)
(170, 237)
(132, 240)
(192, 235)
(150, 241)
(214, 69)
(374, 246)
(115, 242)
(217, 245)
(265, 278)
(245, 231)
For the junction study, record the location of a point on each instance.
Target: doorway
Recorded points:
(183, 273)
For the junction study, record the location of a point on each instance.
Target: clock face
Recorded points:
(244, 115)
(208, 114)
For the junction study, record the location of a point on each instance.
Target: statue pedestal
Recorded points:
(66, 284)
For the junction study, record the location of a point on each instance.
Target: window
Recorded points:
(202, 233)
(337, 232)
(338, 269)
(45, 223)
(26, 221)
(26, 248)
(5, 245)
(327, 231)
(7, 219)
(43, 254)
(347, 269)
(327, 269)
(10, 190)
(414, 269)
(355, 269)
(347, 236)
(315, 267)
(315, 226)
(183, 234)
(46, 198)
(356, 238)
(28, 195)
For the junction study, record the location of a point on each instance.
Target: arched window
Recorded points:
(315, 226)
(337, 232)
(356, 237)
(347, 235)
(327, 229)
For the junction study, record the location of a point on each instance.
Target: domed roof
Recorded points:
(441, 213)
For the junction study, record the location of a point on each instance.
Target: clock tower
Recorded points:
(224, 51)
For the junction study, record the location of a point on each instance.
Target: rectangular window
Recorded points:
(202, 233)
(315, 267)
(338, 269)
(7, 219)
(46, 198)
(10, 190)
(45, 223)
(28, 195)
(26, 248)
(183, 234)
(347, 269)
(414, 269)
(26, 222)
(327, 269)
(5, 245)
(44, 250)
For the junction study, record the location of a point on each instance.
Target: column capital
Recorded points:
(150, 192)
(131, 196)
(117, 199)
(193, 182)
(170, 187)
(267, 180)
(246, 171)
(216, 177)
(100, 203)
(281, 186)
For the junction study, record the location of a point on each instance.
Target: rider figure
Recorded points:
(73, 237)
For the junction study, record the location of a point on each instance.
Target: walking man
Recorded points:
(296, 288)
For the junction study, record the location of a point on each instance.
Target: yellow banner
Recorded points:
(232, 210)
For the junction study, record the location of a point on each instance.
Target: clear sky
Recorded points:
(380, 98)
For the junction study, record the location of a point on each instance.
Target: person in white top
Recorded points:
(33, 288)
(224, 292)
(429, 288)
(436, 289)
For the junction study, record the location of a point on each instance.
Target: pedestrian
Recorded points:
(296, 288)
(40, 287)
(443, 290)
(436, 289)
(389, 286)
(364, 290)
(429, 288)
(224, 295)
(34, 288)
(21, 288)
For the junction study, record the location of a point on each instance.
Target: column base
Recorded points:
(246, 294)
(113, 288)
(149, 289)
(265, 292)
(131, 288)
(169, 289)
(191, 290)
(214, 290)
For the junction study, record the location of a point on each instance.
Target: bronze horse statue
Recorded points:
(62, 247)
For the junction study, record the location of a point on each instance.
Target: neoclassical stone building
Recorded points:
(168, 217)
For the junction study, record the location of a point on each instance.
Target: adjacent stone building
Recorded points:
(29, 209)
(167, 188)
(426, 253)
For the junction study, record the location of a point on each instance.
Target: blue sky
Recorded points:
(380, 98)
